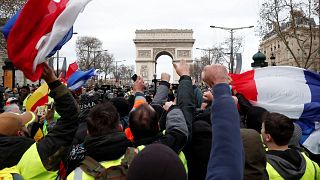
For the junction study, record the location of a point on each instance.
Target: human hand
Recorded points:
(214, 74)
(138, 85)
(207, 96)
(235, 99)
(167, 105)
(204, 105)
(48, 74)
(165, 77)
(182, 68)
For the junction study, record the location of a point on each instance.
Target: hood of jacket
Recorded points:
(107, 147)
(290, 164)
(12, 149)
(255, 155)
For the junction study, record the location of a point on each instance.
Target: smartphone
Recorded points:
(134, 77)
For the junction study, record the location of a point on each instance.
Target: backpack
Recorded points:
(99, 172)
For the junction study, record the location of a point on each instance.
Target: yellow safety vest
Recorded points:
(6, 173)
(30, 166)
(78, 174)
(312, 171)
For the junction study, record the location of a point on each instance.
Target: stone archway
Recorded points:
(151, 44)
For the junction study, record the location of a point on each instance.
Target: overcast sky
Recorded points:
(115, 21)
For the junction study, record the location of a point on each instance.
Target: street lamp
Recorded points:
(117, 68)
(231, 30)
(209, 51)
(155, 83)
(94, 54)
(272, 59)
(59, 57)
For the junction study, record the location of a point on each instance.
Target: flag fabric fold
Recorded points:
(79, 78)
(73, 67)
(38, 98)
(291, 91)
(38, 30)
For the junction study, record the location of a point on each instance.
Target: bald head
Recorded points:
(10, 124)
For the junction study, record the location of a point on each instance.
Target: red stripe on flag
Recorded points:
(71, 69)
(35, 20)
(245, 84)
(42, 101)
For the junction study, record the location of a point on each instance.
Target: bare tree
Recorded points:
(196, 69)
(123, 72)
(292, 22)
(105, 61)
(10, 7)
(7, 9)
(89, 52)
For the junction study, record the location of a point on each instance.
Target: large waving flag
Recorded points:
(291, 91)
(79, 78)
(38, 30)
(38, 98)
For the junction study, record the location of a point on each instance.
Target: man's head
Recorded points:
(13, 124)
(277, 129)
(103, 119)
(143, 122)
(24, 91)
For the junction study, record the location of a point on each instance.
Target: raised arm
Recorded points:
(185, 96)
(162, 93)
(52, 148)
(226, 157)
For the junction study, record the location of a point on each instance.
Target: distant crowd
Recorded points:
(188, 132)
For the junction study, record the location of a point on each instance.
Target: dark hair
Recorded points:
(143, 122)
(103, 119)
(279, 126)
(254, 118)
(122, 105)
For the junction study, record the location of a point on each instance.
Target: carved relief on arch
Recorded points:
(157, 52)
(184, 54)
(144, 71)
(144, 53)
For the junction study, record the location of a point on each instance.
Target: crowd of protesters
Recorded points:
(185, 133)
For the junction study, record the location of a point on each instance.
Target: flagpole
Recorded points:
(57, 63)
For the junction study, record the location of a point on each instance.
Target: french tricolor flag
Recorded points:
(79, 78)
(38, 30)
(291, 91)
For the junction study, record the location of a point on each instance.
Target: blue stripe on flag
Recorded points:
(80, 76)
(311, 112)
(65, 39)
(313, 81)
(8, 26)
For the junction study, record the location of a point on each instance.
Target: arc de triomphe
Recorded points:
(151, 44)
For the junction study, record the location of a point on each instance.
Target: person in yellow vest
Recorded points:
(284, 162)
(106, 143)
(39, 160)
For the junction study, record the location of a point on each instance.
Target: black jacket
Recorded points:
(52, 148)
(200, 145)
(107, 147)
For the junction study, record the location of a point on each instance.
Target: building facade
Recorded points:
(278, 54)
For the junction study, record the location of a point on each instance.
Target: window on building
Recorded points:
(271, 48)
(278, 46)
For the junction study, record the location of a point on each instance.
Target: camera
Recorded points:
(134, 77)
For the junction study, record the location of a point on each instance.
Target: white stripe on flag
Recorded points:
(312, 143)
(282, 89)
(60, 28)
(77, 85)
